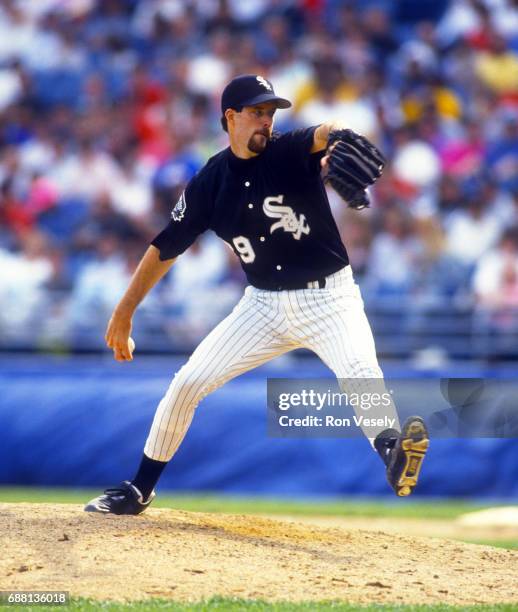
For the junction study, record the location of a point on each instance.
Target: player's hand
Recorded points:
(324, 162)
(117, 335)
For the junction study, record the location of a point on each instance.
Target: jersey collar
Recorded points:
(238, 163)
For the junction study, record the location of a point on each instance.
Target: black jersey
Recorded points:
(271, 209)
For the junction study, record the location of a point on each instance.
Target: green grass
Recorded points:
(238, 605)
(508, 544)
(396, 508)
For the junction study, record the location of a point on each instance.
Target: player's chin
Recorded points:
(257, 144)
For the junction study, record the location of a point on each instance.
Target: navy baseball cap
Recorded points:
(248, 90)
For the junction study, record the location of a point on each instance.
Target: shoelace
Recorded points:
(117, 490)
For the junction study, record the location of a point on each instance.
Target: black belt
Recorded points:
(317, 283)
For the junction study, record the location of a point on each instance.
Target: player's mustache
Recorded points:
(264, 133)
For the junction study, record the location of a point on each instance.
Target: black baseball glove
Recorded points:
(354, 163)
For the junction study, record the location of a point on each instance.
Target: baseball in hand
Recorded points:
(131, 344)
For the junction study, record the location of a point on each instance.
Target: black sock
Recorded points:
(147, 475)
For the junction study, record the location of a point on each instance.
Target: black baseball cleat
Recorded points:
(403, 453)
(123, 499)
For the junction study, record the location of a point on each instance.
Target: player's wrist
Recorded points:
(125, 310)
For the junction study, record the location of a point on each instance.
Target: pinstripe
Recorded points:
(329, 341)
(340, 320)
(295, 329)
(179, 406)
(230, 347)
(278, 314)
(312, 340)
(260, 357)
(367, 366)
(244, 365)
(325, 344)
(311, 330)
(274, 298)
(181, 395)
(347, 340)
(189, 410)
(263, 325)
(316, 340)
(334, 354)
(205, 354)
(343, 337)
(352, 363)
(264, 330)
(317, 326)
(219, 373)
(257, 335)
(288, 309)
(369, 369)
(209, 357)
(361, 319)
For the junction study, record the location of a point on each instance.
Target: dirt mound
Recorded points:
(192, 556)
(454, 529)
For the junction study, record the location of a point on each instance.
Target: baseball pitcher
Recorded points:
(264, 196)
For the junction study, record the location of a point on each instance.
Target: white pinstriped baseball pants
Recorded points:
(265, 324)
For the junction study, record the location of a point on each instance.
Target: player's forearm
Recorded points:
(149, 271)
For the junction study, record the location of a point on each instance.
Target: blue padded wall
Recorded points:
(83, 422)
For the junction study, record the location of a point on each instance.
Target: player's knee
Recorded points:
(364, 369)
(189, 384)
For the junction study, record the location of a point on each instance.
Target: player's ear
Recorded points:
(230, 115)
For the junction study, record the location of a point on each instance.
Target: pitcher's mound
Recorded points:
(193, 556)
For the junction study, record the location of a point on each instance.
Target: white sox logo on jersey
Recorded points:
(178, 211)
(264, 82)
(288, 220)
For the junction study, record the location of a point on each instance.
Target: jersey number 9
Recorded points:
(244, 248)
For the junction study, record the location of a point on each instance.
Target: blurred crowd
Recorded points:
(108, 108)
